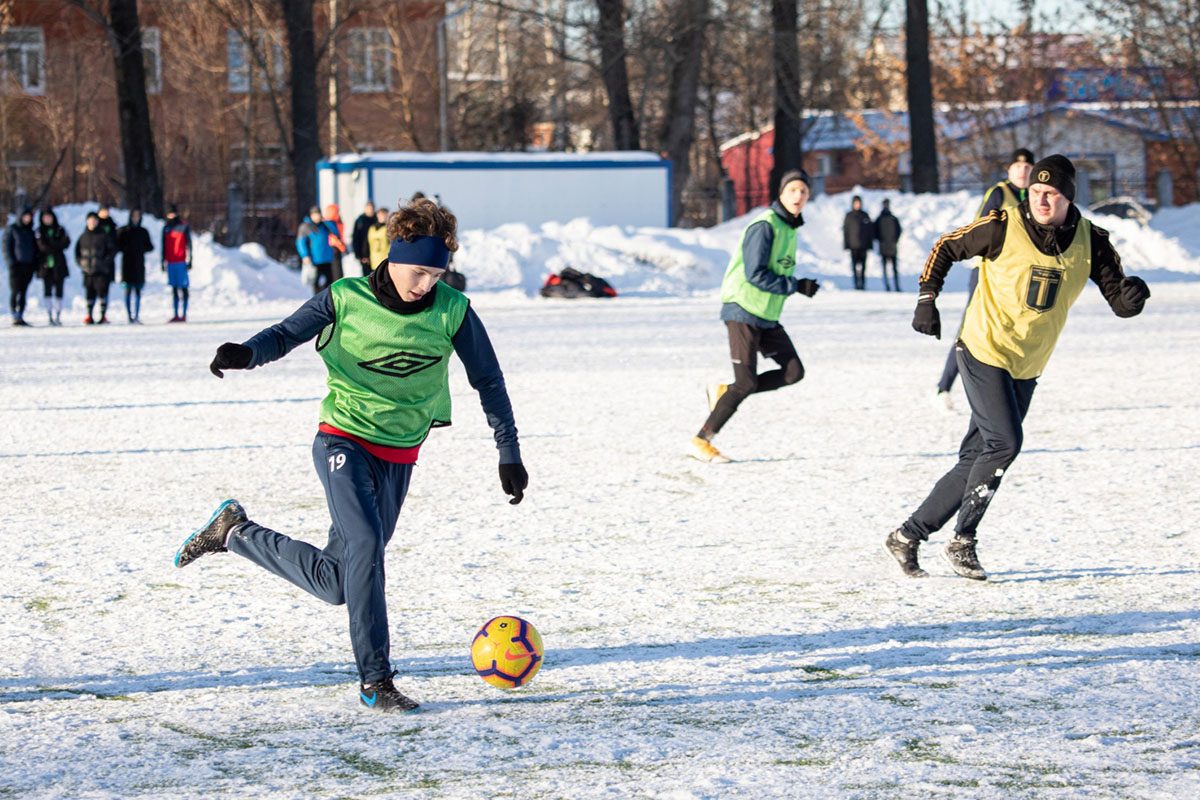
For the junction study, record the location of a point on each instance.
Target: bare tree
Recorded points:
(611, 38)
(786, 50)
(922, 131)
(142, 187)
(678, 132)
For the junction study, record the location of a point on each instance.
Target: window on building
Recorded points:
(151, 56)
(262, 172)
(24, 59)
(826, 164)
(245, 62)
(369, 53)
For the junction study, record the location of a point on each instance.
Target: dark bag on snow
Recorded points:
(572, 283)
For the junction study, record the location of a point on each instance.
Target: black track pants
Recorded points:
(745, 343)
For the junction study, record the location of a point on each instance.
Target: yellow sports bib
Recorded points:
(1020, 306)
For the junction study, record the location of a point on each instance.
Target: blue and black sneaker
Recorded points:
(382, 695)
(211, 538)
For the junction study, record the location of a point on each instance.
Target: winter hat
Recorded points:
(1057, 171)
(314, 210)
(794, 175)
(856, 199)
(1022, 156)
(173, 210)
(887, 203)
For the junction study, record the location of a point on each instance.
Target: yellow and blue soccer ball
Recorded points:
(507, 652)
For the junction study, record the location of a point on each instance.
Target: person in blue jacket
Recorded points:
(385, 339)
(314, 245)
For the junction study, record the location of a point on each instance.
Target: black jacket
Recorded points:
(985, 237)
(887, 232)
(95, 253)
(358, 238)
(856, 231)
(52, 244)
(133, 242)
(20, 245)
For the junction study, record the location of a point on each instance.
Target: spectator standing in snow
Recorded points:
(177, 261)
(857, 238)
(757, 281)
(378, 412)
(20, 252)
(107, 224)
(377, 241)
(1005, 194)
(337, 240)
(52, 243)
(133, 242)
(358, 238)
(1037, 260)
(887, 233)
(314, 248)
(95, 255)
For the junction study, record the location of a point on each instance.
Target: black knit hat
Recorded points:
(1057, 171)
(1022, 156)
(794, 175)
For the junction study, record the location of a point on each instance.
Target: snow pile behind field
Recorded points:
(659, 262)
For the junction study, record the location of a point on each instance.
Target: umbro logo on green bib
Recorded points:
(401, 364)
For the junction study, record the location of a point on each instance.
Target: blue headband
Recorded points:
(424, 251)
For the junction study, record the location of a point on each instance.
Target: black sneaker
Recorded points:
(904, 550)
(384, 696)
(211, 538)
(960, 555)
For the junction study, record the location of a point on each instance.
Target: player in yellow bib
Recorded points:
(1005, 194)
(1037, 259)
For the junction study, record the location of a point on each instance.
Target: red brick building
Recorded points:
(219, 99)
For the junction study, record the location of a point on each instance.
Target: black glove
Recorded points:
(230, 356)
(926, 319)
(1134, 292)
(807, 287)
(513, 480)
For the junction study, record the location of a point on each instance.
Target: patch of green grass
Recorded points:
(921, 750)
(363, 764)
(801, 762)
(38, 605)
(823, 674)
(899, 701)
(965, 783)
(218, 741)
(992, 708)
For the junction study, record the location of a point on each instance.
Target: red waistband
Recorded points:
(393, 455)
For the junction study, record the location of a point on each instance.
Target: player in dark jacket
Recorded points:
(1005, 194)
(133, 242)
(20, 252)
(1037, 260)
(386, 340)
(857, 238)
(95, 254)
(887, 233)
(358, 238)
(52, 243)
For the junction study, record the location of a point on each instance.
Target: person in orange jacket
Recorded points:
(338, 243)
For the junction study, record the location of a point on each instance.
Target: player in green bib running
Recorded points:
(759, 278)
(386, 340)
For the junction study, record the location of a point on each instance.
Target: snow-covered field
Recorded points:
(711, 631)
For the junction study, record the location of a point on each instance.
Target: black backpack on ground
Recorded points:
(572, 283)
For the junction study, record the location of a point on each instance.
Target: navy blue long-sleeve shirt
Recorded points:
(471, 344)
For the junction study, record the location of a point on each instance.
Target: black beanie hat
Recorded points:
(1057, 171)
(1022, 156)
(794, 175)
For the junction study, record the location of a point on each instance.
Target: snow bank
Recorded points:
(661, 262)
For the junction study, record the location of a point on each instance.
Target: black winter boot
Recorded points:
(211, 538)
(904, 550)
(382, 695)
(960, 555)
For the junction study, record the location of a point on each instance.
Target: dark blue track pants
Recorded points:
(999, 403)
(364, 495)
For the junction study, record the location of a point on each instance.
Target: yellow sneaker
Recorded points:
(714, 392)
(703, 450)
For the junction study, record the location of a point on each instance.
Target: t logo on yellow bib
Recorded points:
(1043, 288)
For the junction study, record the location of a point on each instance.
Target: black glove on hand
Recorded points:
(1134, 292)
(926, 319)
(230, 356)
(807, 287)
(513, 480)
